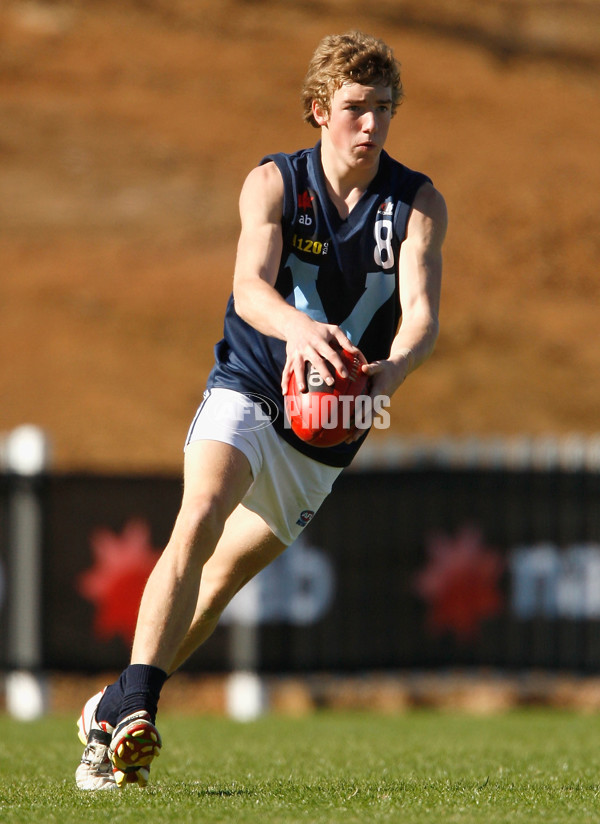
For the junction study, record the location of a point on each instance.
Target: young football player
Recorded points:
(340, 247)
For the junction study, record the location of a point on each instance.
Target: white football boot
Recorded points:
(95, 772)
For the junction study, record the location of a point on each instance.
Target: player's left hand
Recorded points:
(386, 376)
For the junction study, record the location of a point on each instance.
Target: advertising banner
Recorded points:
(402, 568)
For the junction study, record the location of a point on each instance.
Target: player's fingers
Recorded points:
(334, 357)
(322, 366)
(372, 368)
(343, 340)
(292, 366)
(299, 373)
(372, 371)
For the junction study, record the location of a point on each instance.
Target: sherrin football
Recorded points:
(325, 415)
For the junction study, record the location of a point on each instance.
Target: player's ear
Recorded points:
(320, 113)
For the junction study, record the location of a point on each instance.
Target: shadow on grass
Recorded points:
(215, 792)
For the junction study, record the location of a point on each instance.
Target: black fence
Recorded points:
(430, 562)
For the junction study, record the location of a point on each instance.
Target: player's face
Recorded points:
(358, 122)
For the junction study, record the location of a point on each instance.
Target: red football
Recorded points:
(325, 415)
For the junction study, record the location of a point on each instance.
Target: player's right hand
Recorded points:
(319, 344)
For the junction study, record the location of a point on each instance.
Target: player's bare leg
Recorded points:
(246, 546)
(216, 477)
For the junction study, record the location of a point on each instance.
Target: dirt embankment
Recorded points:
(126, 130)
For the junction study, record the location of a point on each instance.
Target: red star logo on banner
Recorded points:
(460, 584)
(115, 583)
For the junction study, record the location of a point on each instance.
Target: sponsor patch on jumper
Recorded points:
(306, 517)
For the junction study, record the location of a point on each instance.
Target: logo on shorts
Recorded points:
(249, 410)
(306, 517)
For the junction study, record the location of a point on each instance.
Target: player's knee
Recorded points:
(201, 519)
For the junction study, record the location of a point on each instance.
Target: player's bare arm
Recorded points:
(258, 303)
(420, 277)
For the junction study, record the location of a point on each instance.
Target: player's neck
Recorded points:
(346, 183)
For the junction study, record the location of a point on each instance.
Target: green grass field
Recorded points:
(424, 766)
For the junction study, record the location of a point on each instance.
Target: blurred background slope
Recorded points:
(127, 128)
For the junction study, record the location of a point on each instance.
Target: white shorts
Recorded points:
(287, 487)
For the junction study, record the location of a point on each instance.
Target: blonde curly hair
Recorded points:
(353, 57)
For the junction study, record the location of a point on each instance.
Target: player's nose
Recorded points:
(369, 123)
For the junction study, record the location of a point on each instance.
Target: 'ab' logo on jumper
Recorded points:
(305, 202)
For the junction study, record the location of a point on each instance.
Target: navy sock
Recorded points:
(143, 684)
(110, 704)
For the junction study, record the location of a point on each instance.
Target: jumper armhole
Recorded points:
(289, 185)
